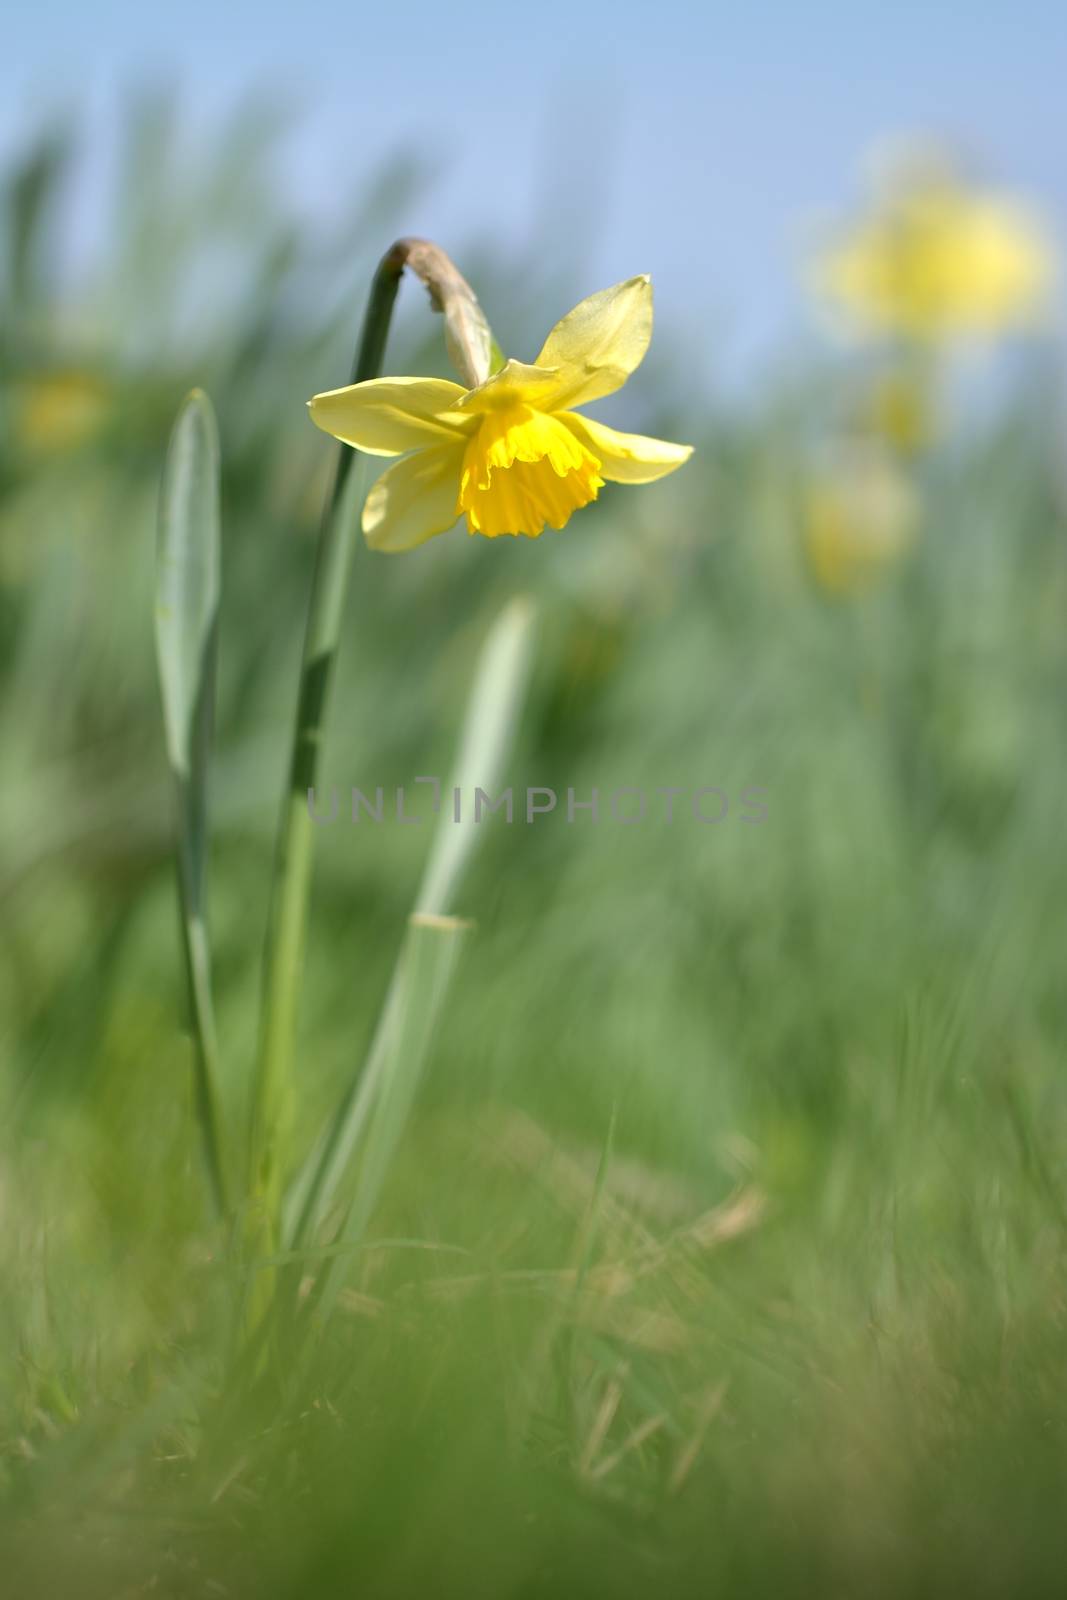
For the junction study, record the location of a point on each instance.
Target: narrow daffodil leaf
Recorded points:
(187, 603)
(330, 1174)
(485, 742)
(187, 582)
(387, 1090)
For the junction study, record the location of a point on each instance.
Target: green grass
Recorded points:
(724, 1248)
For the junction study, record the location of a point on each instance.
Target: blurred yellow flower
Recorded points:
(510, 455)
(933, 260)
(57, 411)
(859, 519)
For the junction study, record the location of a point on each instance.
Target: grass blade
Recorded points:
(187, 603)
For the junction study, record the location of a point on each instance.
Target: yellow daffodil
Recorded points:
(860, 518)
(510, 455)
(57, 411)
(933, 261)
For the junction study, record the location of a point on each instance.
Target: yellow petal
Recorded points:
(413, 500)
(515, 384)
(626, 457)
(600, 342)
(387, 416)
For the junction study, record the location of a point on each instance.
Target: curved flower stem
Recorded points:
(469, 342)
(287, 922)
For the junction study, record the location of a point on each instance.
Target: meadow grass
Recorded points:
(722, 1249)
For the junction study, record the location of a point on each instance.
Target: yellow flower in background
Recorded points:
(934, 260)
(58, 411)
(510, 455)
(860, 518)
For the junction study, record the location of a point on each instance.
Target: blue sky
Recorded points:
(711, 141)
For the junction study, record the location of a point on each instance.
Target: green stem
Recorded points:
(287, 924)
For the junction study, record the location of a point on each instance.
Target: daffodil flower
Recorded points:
(934, 261)
(510, 455)
(859, 520)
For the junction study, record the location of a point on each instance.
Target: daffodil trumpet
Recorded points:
(510, 454)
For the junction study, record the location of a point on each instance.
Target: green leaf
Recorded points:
(334, 1170)
(187, 603)
(388, 1087)
(486, 739)
(187, 584)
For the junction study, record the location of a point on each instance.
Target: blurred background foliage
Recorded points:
(805, 1330)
